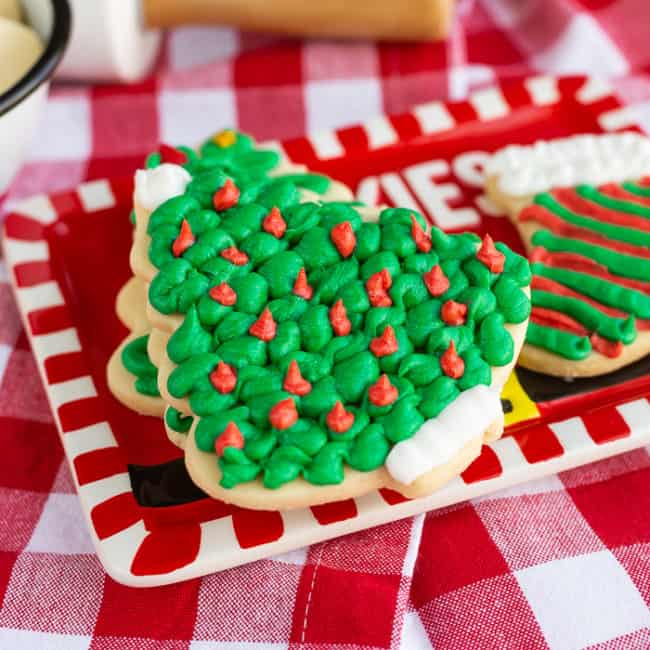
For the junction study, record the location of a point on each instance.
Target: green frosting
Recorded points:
(135, 359)
(637, 268)
(639, 190)
(611, 233)
(176, 421)
(339, 368)
(571, 346)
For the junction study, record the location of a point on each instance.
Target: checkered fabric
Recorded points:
(562, 563)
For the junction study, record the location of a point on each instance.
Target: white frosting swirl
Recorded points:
(155, 186)
(592, 159)
(438, 440)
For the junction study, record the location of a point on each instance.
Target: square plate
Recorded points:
(68, 255)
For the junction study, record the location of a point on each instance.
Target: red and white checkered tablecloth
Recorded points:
(562, 563)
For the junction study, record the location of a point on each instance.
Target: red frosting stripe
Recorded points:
(231, 436)
(274, 223)
(617, 192)
(226, 197)
(559, 227)
(611, 349)
(265, 327)
(574, 202)
(184, 240)
(338, 419)
(452, 365)
(545, 284)
(436, 281)
(224, 378)
(294, 382)
(343, 238)
(224, 294)
(577, 262)
(300, 287)
(284, 414)
(558, 320)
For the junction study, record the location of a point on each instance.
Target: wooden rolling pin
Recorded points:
(392, 20)
(119, 39)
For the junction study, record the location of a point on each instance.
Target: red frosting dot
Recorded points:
(264, 328)
(452, 365)
(488, 255)
(382, 346)
(231, 436)
(454, 313)
(339, 319)
(283, 415)
(224, 294)
(436, 281)
(235, 256)
(382, 392)
(172, 155)
(421, 239)
(377, 286)
(343, 238)
(274, 224)
(300, 287)
(338, 419)
(184, 240)
(226, 197)
(294, 382)
(223, 378)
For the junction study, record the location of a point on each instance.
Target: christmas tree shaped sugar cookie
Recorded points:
(321, 348)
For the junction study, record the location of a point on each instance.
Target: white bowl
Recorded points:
(22, 104)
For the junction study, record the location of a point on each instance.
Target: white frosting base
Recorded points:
(155, 186)
(438, 440)
(591, 159)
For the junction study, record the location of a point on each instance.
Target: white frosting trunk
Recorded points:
(155, 186)
(438, 440)
(590, 159)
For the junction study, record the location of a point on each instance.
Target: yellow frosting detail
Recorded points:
(225, 138)
(523, 408)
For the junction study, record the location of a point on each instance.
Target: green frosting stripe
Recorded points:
(592, 193)
(607, 292)
(639, 190)
(614, 329)
(570, 346)
(571, 272)
(612, 231)
(628, 266)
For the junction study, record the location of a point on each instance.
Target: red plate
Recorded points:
(69, 256)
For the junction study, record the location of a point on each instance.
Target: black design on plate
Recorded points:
(544, 388)
(167, 484)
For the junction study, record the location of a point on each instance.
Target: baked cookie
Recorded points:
(584, 217)
(133, 379)
(320, 349)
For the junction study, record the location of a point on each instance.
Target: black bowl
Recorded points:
(43, 69)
